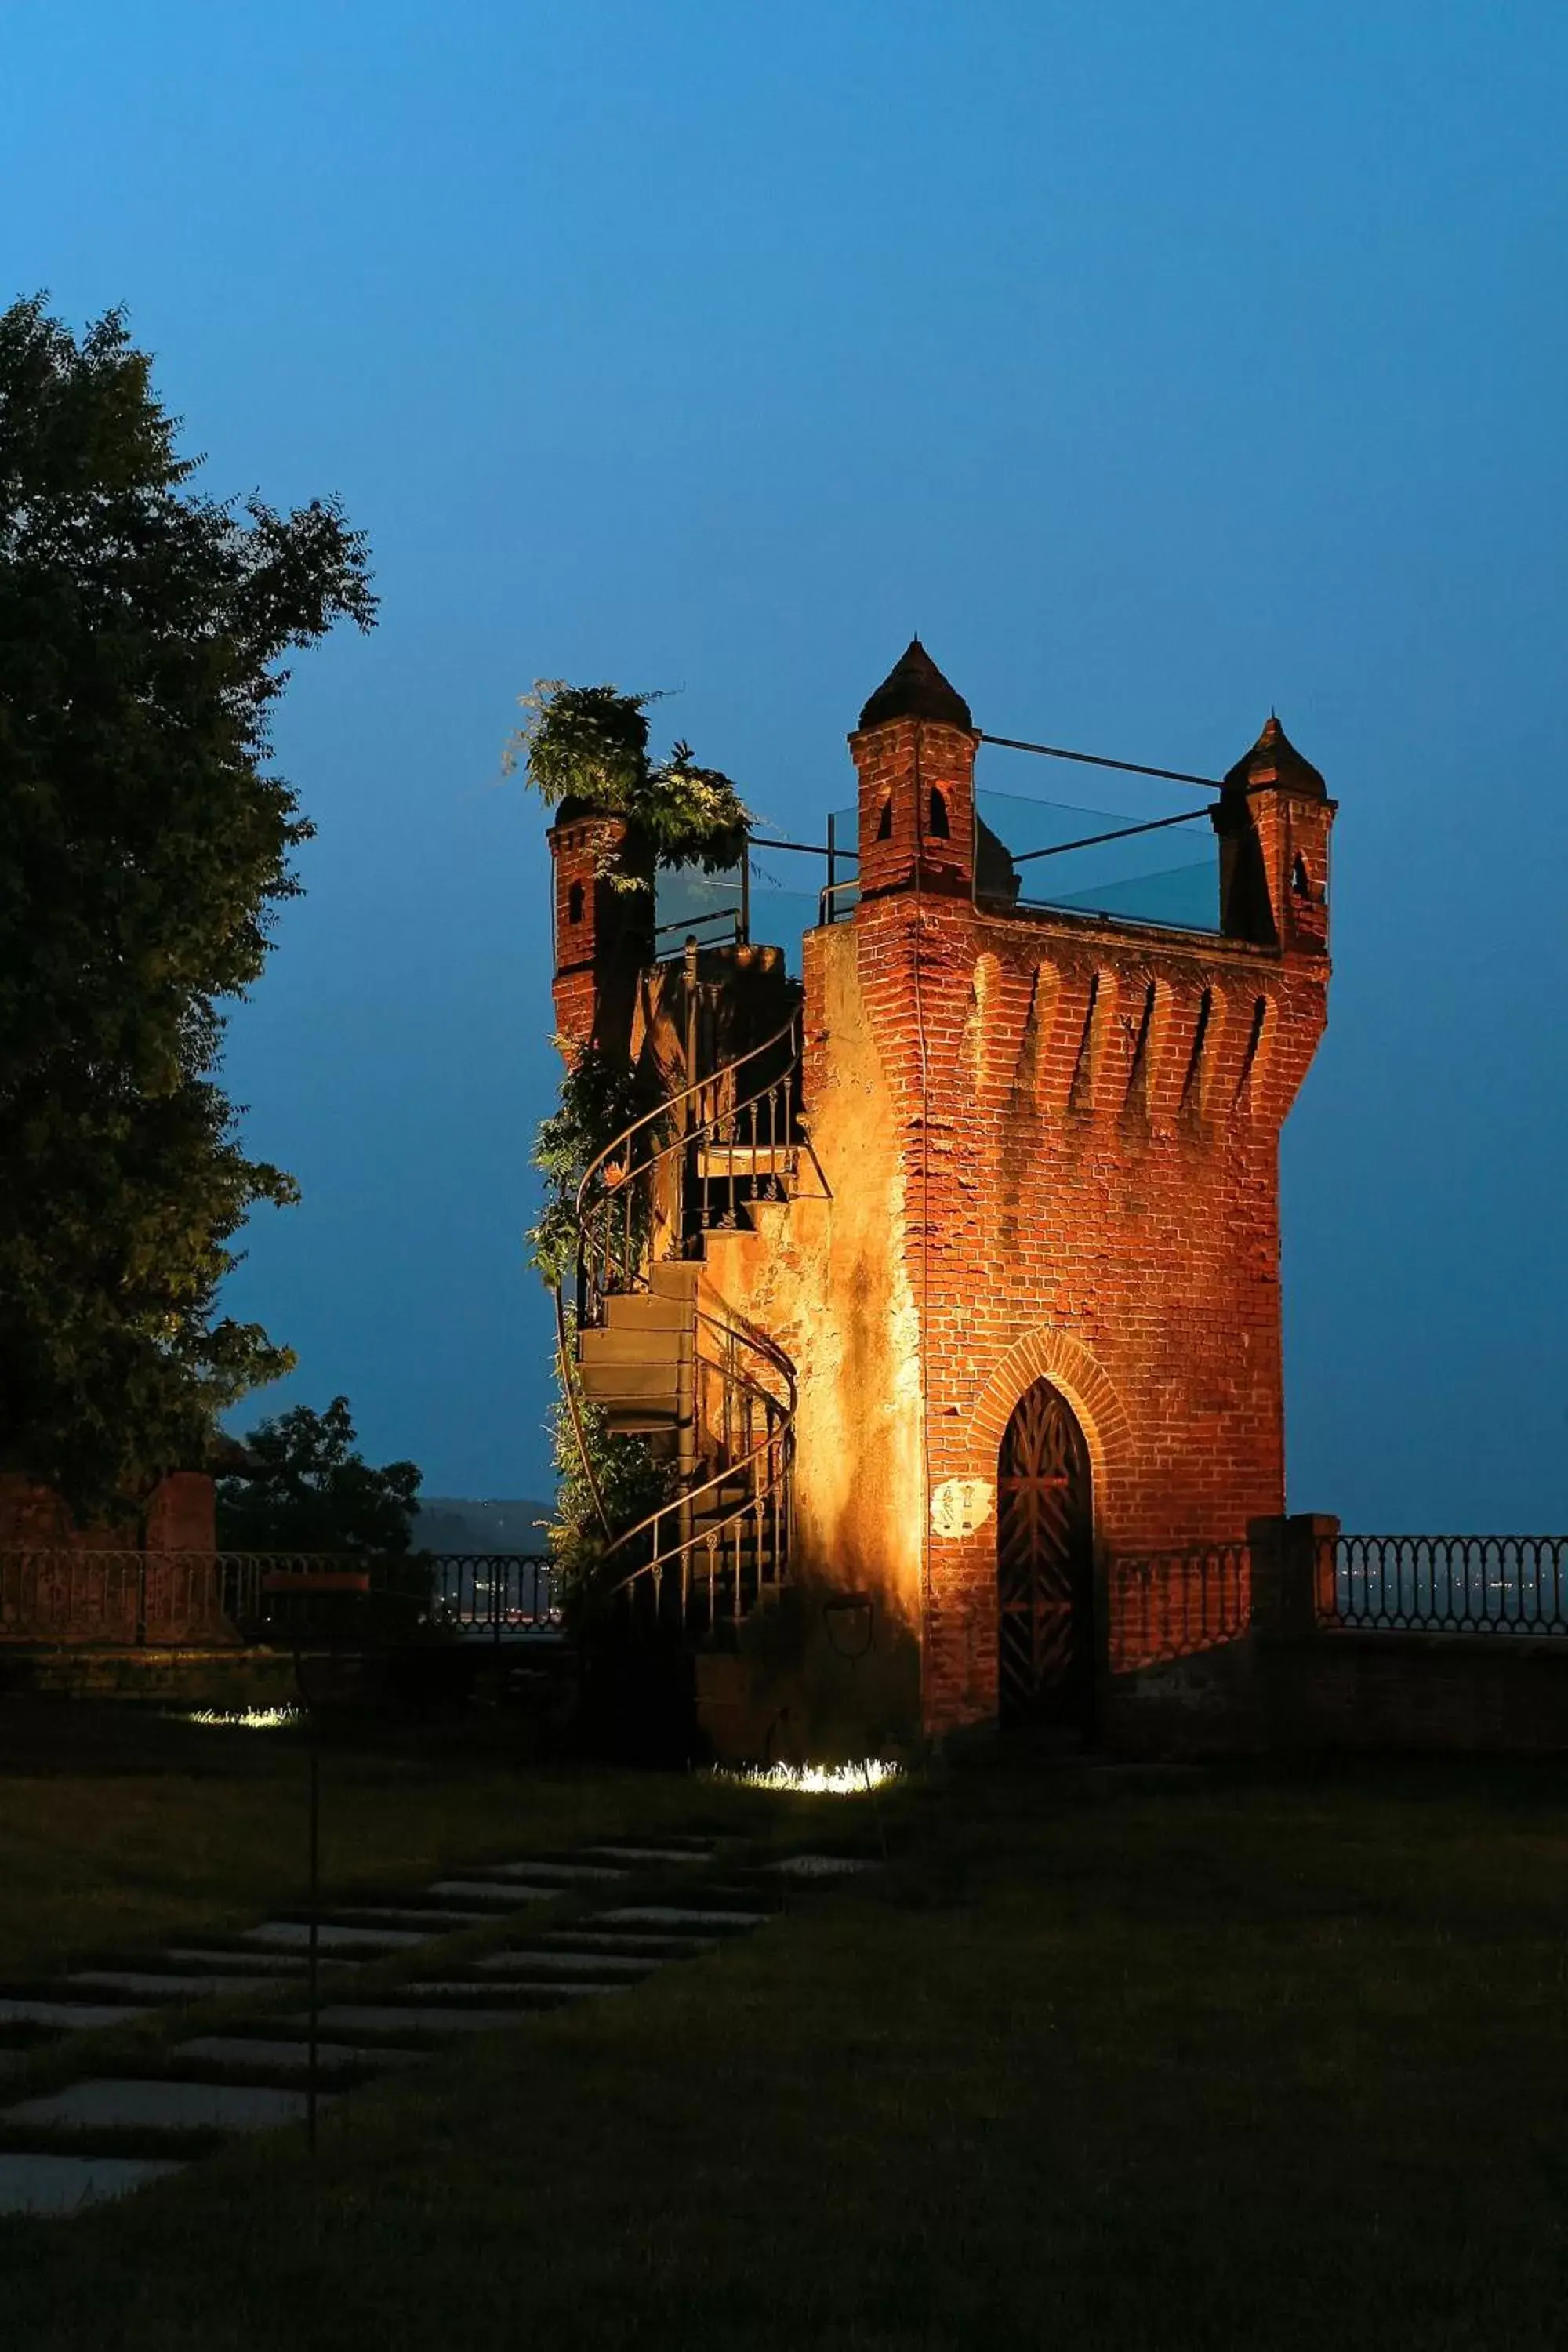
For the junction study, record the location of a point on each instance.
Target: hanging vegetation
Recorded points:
(589, 744)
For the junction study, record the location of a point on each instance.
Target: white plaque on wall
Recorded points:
(959, 1505)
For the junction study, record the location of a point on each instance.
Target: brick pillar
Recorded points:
(1292, 1572)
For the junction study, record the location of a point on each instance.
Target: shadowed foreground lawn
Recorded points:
(172, 1829)
(1220, 2062)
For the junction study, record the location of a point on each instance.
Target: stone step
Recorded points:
(54, 2187)
(501, 1893)
(167, 1984)
(76, 2016)
(639, 1420)
(722, 1160)
(566, 1872)
(295, 1933)
(541, 1995)
(276, 1964)
(625, 1387)
(669, 1914)
(433, 1922)
(601, 1350)
(627, 1940)
(647, 1856)
(648, 1310)
(674, 1278)
(109, 2102)
(251, 2052)
(551, 1965)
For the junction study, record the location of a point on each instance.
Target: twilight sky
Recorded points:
(1158, 362)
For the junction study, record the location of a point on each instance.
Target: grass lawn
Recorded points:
(1221, 2061)
(172, 1829)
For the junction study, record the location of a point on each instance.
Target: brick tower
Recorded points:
(1028, 1280)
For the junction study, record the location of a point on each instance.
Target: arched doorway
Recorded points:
(1045, 1564)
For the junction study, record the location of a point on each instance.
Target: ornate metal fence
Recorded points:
(1172, 1604)
(1446, 1584)
(497, 1594)
(123, 1600)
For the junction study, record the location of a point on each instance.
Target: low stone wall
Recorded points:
(1294, 1681)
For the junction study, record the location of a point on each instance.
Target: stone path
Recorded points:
(67, 2146)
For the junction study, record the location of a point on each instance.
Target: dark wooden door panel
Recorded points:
(1043, 1559)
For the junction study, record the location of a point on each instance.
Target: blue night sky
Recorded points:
(1158, 362)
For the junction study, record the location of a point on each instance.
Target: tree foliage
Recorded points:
(589, 744)
(144, 846)
(312, 1492)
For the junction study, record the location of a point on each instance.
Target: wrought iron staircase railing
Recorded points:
(691, 1167)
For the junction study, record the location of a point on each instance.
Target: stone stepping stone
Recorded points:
(53, 2186)
(628, 1941)
(527, 1995)
(295, 1933)
(404, 2018)
(493, 1890)
(820, 1865)
(435, 1923)
(565, 1872)
(248, 1963)
(644, 1853)
(104, 2102)
(167, 1984)
(568, 1963)
(289, 2057)
(84, 2015)
(671, 1914)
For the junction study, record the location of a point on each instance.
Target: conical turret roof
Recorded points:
(1274, 759)
(915, 688)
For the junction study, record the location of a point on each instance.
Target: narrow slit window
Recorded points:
(1300, 880)
(574, 903)
(885, 822)
(939, 824)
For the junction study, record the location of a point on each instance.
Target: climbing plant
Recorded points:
(589, 745)
(601, 1096)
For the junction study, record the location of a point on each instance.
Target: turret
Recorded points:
(604, 935)
(914, 753)
(1274, 820)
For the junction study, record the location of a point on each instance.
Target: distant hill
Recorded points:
(454, 1523)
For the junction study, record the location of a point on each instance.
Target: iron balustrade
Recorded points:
(133, 1600)
(495, 1594)
(686, 1168)
(1503, 1585)
(1172, 1604)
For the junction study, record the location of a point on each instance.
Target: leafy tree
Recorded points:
(310, 1491)
(144, 848)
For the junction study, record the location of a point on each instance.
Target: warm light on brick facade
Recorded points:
(1050, 1150)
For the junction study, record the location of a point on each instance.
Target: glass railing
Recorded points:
(715, 909)
(1024, 859)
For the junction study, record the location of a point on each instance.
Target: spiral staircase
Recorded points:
(640, 1343)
